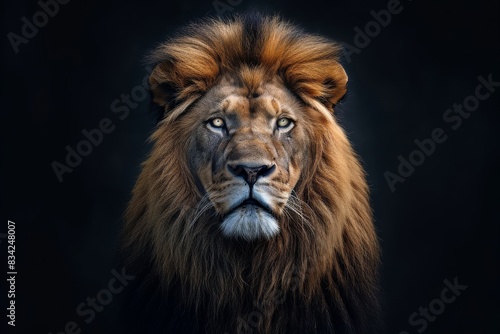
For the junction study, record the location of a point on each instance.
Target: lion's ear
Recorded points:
(324, 80)
(162, 85)
(175, 79)
(336, 85)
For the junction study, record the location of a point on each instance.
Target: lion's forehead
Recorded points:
(251, 107)
(267, 102)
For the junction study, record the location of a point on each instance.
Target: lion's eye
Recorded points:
(217, 122)
(284, 123)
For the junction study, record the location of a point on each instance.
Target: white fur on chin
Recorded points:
(250, 222)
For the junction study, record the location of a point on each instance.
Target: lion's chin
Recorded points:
(250, 222)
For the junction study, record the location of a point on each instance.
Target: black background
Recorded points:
(441, 223)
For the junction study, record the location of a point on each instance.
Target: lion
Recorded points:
(251, 214)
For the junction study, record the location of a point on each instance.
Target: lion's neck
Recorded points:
(221, 276)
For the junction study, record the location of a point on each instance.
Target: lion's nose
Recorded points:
(250, 173)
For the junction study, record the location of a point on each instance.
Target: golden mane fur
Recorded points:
(319, 273)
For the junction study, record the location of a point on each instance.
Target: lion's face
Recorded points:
(248, 147)
(246, 155)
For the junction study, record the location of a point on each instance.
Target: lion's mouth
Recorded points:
(250, 219)
(250, 201)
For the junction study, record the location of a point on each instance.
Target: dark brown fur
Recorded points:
(318, 275)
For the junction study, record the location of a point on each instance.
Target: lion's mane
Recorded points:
(319, 274)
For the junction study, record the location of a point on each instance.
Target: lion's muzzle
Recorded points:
(251, 173)
(251, 216)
